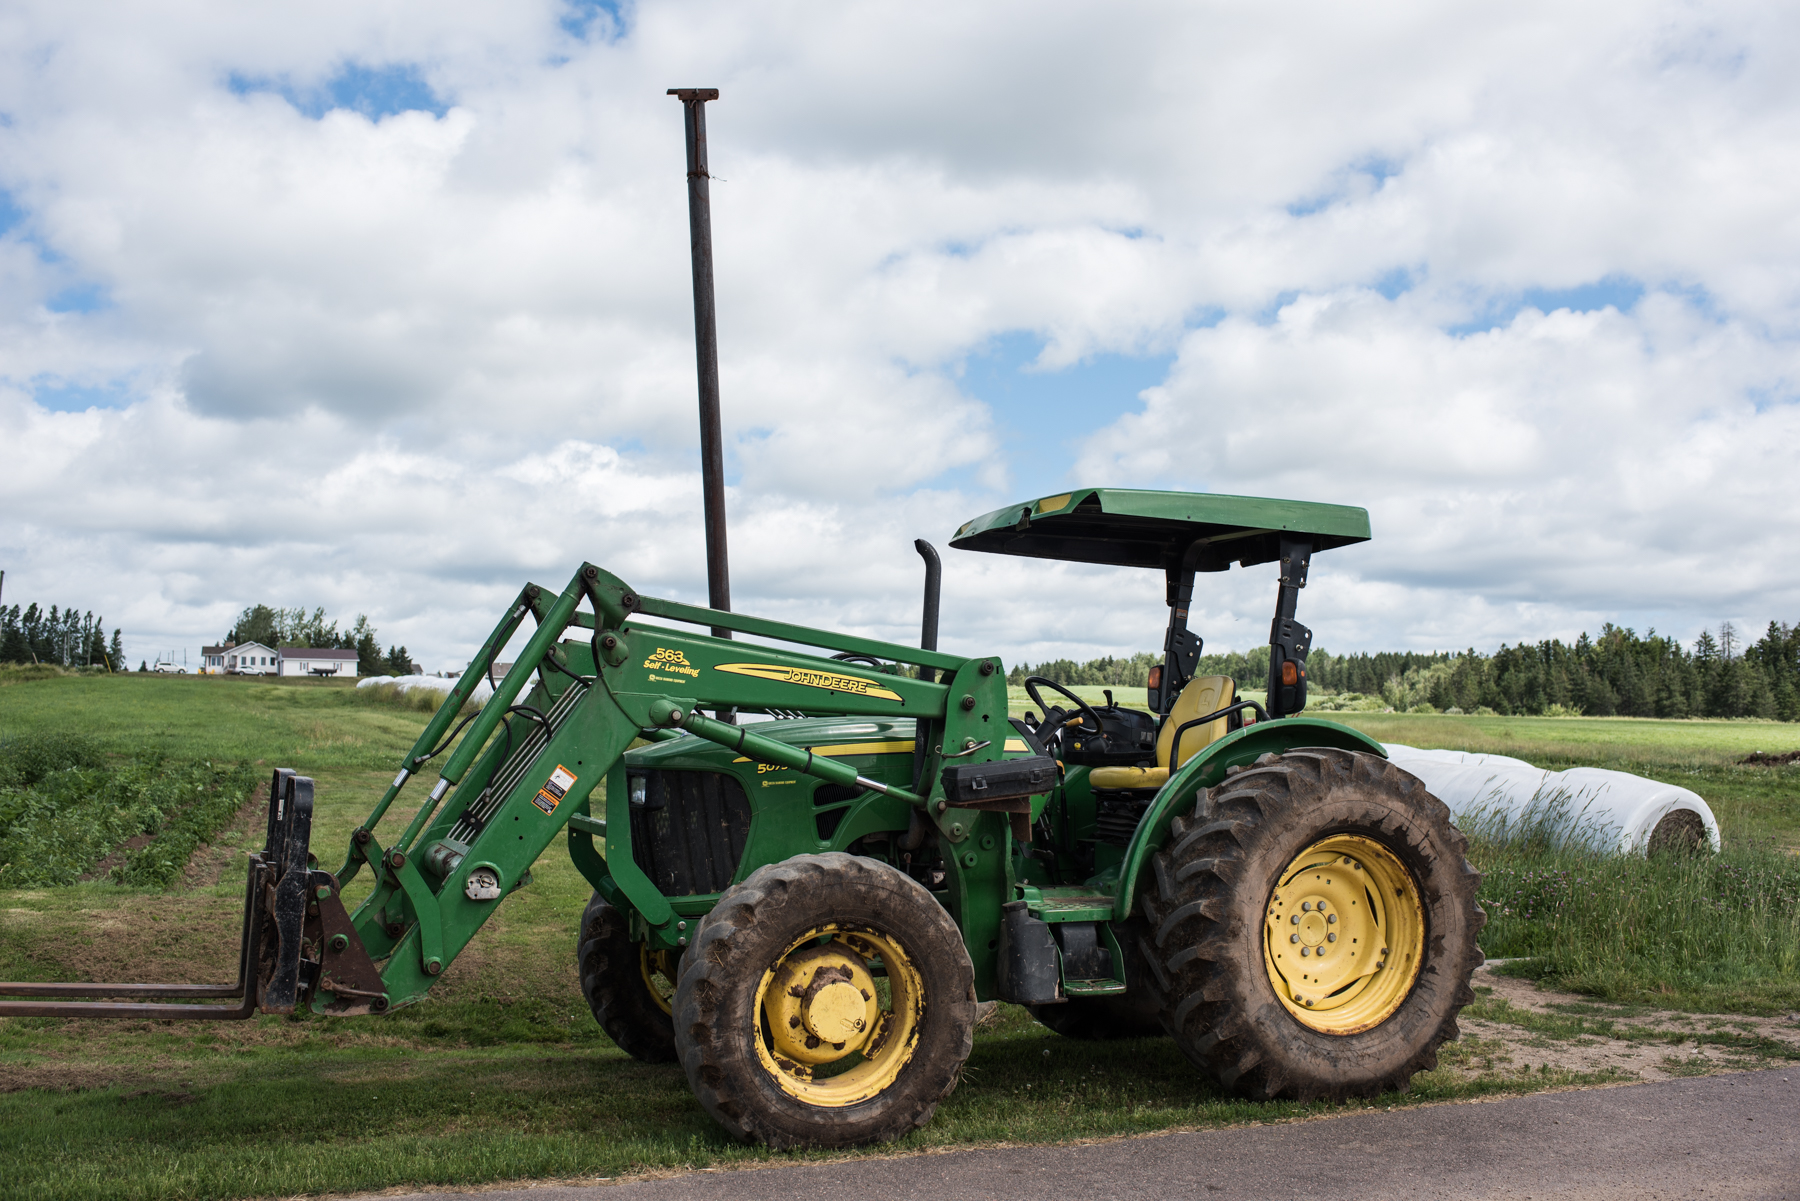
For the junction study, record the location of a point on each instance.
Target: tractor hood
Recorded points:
(1134, 528)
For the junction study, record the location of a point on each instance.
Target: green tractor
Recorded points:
(804, 911)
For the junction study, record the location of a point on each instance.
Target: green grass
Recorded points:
(224, 1121)
(1699, 932)
(315, 723)
(503, 1074)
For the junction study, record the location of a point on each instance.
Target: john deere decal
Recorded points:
(854, 685)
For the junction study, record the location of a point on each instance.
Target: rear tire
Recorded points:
(1359, 837)
(618, 978)
(791, 954)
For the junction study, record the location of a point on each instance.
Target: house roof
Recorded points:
(316, 652)
(236, 648)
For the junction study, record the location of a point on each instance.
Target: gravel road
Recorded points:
(1728, 1136)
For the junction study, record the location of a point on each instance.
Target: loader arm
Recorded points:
(595, 680)
(589, 683)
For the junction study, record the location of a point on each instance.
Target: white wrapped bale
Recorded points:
(435, 683)
(1610, 811)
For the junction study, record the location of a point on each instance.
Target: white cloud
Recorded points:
(398, 364)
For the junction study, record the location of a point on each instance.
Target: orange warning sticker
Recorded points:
(554, 789)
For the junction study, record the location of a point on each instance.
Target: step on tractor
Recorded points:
(804, 911)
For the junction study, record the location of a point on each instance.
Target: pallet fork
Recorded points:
(297, 938)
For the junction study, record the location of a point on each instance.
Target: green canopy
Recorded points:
(1134, 528)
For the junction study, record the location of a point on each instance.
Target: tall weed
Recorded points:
(1719, 931)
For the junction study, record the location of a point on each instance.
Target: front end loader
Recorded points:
(804, 911)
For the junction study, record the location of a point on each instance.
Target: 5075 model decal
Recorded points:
(854, 685)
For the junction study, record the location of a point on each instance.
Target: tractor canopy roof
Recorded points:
(1134, 528)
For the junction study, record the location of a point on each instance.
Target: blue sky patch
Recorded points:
(79, 298)
(1378, 169)
(1617, 291)
(1395, 282)
(375, 92)
(10, 212)
(62, 396)
(584, 18)
(1042, 418)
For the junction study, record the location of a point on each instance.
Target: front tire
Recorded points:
(1313, 927)
(626, 984)
(807, 951)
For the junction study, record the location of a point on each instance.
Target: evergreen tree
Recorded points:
(115, 651)
(96, 643)
(13, 647)
(368, 650)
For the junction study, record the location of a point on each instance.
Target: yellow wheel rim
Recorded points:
(658, 969)
(1344, 935)
(838, 1015)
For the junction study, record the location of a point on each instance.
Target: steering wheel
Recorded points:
(857, 657)
(1055, 717)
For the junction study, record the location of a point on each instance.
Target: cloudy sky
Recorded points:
(385, 307)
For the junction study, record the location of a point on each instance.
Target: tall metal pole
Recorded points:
(706, 348)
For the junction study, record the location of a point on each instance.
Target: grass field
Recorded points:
(503, 1074)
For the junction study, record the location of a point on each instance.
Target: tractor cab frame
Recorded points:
(1183, 533)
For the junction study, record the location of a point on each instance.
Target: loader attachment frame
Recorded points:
(294, 939)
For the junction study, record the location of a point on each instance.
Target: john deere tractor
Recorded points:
(804, 911)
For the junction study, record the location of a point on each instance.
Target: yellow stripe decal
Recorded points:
(852, 748)
(855, 685)
(1016, 744)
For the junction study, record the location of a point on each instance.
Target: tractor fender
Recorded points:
(1240, 748)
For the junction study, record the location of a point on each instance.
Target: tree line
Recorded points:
(277, 628)
(1619, 673)
(64, 637)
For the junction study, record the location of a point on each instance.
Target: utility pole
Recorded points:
(706, 348)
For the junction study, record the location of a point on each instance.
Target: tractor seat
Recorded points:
(1202, 696)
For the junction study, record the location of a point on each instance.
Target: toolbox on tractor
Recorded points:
(804, 910)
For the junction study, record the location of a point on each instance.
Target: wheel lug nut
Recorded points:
(1303, 952)
(1306, 906)
(1331, 917)
(1295, 919)
(1331, 938)
(1293, 938)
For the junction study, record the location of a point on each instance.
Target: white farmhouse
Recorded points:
(317, 661)
(241, 659)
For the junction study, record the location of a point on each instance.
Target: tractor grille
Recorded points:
(690, 832)
(1116, 817)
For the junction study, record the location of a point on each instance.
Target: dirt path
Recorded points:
(1515, 1026)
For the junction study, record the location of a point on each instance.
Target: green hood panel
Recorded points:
(1134, 528)
(837, 737)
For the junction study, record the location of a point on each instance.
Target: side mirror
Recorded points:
(1288, 648)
